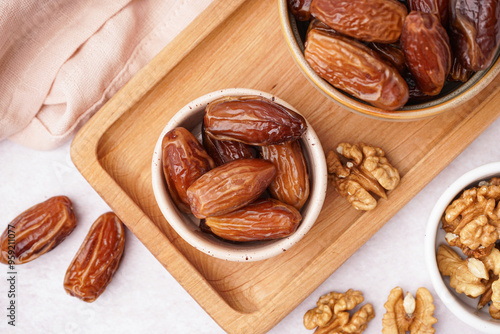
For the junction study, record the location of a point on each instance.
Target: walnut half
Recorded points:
(473, 219)
(492, 293)
(365, 174)
(495, 298)
(331, 314)
(462, 278)
(409, 314)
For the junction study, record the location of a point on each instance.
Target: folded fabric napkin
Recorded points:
(61, 60)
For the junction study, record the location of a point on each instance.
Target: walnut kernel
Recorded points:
(461, 278)
(409, 314)
(495, 298)
(474, 217)
(335, 307)
(365, 173)
(318, 316)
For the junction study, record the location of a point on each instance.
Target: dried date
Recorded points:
(356, 69)
(366, 20)
(97, 259)
(416, 95)
(392, 54)
(301, 9)
(229, 187)
(475, 32)
(184, 160)
(436, 7)
(458, 72)
(427, 50)
(291, 184)
(224, 151)
(261, 220)
(252, 120)
(38, 230)
(317, 24)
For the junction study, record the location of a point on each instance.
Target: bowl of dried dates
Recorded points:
(239, 174)
(395, 60)
(462, 247)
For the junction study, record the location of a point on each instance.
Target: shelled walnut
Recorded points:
(495, 298)
(473, 277)
(472, 223)
(366, 173)
(492, 293)
(409, 314)
(487, 295)
(462, 278)
(472, 220)
(331, 315)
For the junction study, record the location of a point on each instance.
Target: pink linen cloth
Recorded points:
(61, 60)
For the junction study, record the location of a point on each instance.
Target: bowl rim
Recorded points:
(448, 297)
(460, 95)
(242, 253)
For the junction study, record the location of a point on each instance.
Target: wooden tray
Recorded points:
(239, 44)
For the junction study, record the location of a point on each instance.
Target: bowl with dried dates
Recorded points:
(462, 247)
(395, 60)
(239, 174)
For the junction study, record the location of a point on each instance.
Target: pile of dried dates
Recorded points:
(392, 53)
(248, 179)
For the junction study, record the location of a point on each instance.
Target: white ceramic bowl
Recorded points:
(190, 117)
(459, 304)
(451, 96)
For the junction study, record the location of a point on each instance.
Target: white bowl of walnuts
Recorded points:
(239, 174)
(462, 247)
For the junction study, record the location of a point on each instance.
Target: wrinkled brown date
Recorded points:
(427, 50)
(224, 151)
(261, 220)
(300, 9)
(436, 7)
(229, 187)
(392, 54)
(475, 31)
(184, 160)
(458, 72)
(97, 259)
(356, 69)
(37, 230)
(291, 184)
(366, 20)
(416, 94)
(252, 120)
(317, 24)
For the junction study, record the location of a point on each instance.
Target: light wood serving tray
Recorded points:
(240, 44)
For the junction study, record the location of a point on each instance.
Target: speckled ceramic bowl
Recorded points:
(459, 304)
(187, 226)
(451, 96)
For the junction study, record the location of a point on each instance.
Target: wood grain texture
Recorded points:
(240, 44)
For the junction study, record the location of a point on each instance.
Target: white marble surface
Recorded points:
(143, 297)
